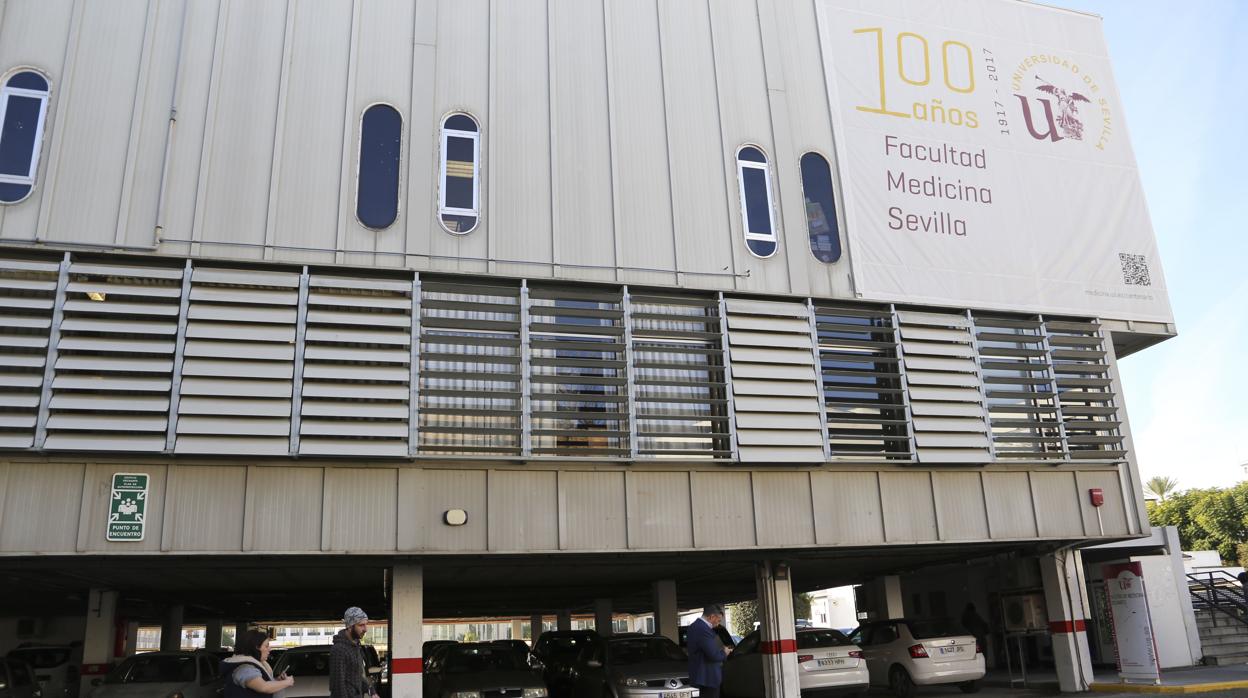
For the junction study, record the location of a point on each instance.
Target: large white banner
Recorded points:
(985, 159)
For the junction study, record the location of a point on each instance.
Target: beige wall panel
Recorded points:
(90, 163)
(1011, 513)
(960, 506)
(307, 195)
(1113, 514)
(745, 117)
(847, 508)
(204, 26)
(383, 64)
(582, 213)
(519, 150)
(360, 509)
(97, 489)
(36, 34)
(524, 510)
(284, 509)
(204, 508)
(643, 193)
(233, 199)
(783, 510)
(1058, 512)
(423, 119)
(40, 512)
(660, 514)
(909, 512)
(424, 498)
(592, 511)
(704, 238)
(723, 510)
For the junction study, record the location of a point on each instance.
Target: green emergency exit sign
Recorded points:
(127, 508)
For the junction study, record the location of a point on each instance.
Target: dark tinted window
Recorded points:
(821, 638)
(472, 659)
(825, 241)
(927, 629)
(155, 669)
(24, 102)
(755, 191)
(638, 650)
(27, 80)
(461, 122)
(306, 663)
(42, 657)
(381, 139)
(459, 189)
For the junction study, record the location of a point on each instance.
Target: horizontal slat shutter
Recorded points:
(942, 380)
(27, 297)
(1085, 389)
(1018, 384)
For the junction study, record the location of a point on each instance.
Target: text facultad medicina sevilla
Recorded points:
(939, 188)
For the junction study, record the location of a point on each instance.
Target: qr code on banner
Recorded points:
(1135, 269)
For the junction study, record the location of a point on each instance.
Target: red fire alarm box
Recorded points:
(1097, 495)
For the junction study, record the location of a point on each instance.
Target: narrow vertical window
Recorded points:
(381, 142)
(825, 238)
(459, 188)
(754, 180)
(23, 105)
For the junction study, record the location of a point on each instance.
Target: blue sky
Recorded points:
(1183, 74)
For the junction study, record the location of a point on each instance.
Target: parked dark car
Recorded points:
(558, 651)
(481, 669)
(633, 665)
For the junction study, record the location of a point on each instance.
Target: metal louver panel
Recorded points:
(27, 297)
(356, 367)
(1018, 383)
(578, 380)
(114, 361)
(469, 374)
(942, 379)
(775, 385)
(237, 374)
(1085, 389)
(681, 391)
(863, 395)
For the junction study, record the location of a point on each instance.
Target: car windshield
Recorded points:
(825, 637)
(163, 668)
(306, 664)
(566, 646)
(42, 657)
(472, 660)
(929, 629)
(635, 651)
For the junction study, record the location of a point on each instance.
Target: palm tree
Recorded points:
(1161, 486)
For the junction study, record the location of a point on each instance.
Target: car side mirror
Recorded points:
(594, 664)
(374, 670)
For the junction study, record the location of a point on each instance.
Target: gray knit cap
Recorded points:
(354, 615)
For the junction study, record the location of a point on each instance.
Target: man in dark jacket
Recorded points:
(348, 674)
(706, 652)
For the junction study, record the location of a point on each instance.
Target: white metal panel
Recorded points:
(425, 495)
(797, 356)
(1109, 519)
(96, 498)
(31, 520)
(960, 506)
(1058, 504)
(524, 510)
(205, 508)
(283, 509)
(1011, 513)
(783, 509)
(360, 510)
(592, 511)
(909, 511)
(847, 508)
(660, 512)
(781, 454)
(723, 509)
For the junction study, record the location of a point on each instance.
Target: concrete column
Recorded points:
(776, 625)
(535, 628)
(666, 614)
(212, 634)
(890, 598)
(1068, 609)
(407, 618)
(563, 620)
(98, 639)
(602, 616)
(240, 629)
(171, 629)
(517, 629)
(131, 643)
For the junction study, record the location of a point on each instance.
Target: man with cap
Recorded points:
(706, 652)
(348, 674)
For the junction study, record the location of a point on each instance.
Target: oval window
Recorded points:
(23, 106)
(459, 189)
(381, 144)
(754, 181)
(825, 239)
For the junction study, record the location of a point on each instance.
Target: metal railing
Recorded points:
(1221, 594)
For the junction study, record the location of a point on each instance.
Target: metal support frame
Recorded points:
(179, 355)
(983, 387)
(729, 393)
(296, 388)
(1057, 399)
(526, 401)
(905, 383)
(629, 373)
(413, 381)
(823, 407)
(49, 365)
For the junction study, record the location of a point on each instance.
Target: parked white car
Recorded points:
(161, 675)
(906, 653)
(17, 680)
(56, 667)
(309, 665)
(828, 663)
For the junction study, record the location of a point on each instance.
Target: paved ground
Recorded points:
(1188, 681)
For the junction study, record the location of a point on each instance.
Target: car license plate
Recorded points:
(677, 694)
(831, 662)
(956, 649)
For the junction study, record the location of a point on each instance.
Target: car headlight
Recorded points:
(466, 694)
(534, 693)
(634, 682)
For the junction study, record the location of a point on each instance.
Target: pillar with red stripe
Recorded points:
(777, 625)
(1065, 598)
(407, 617)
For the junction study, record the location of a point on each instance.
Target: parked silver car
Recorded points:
(56, 667)
(633, 666)
(478, 669)
(17, 680)
(161, 675)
